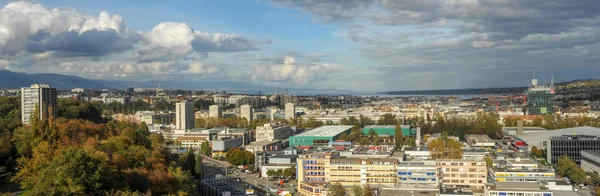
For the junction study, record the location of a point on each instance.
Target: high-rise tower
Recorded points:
(37, 95)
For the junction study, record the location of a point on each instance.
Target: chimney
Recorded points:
(418, 141)
(520, 127)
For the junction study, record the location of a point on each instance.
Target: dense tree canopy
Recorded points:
(79, 157)
(556, 122)
(482, 123)
(567, 167)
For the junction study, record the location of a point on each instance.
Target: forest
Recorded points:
(79, 154)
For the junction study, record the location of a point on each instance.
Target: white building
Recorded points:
(290, 111)
(214, 111)
(184, 115)
(247, 112)
(77, 90)
(270, 132)
(37, 95)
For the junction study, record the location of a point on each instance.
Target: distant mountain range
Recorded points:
(15, 80)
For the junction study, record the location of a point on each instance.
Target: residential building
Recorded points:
(590, 161)
(290, 111)
(184, 114)
(362, 171)
(273, 131)
(311, 173)
(246, 112)
(40, 96)
(571, 146)
(461, 173)
(319, 136)
(214, 111)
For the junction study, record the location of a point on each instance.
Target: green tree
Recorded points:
(357, 190)
(398, 137)
(388, 119)
(198, 169)
(488, 161)
(344, 136)
(336, 189)
(363, 141)
(289, 172)
(190, 162)
(271, 173)
(73, 173)
(279, 173)
(205, 149)
(376, 139)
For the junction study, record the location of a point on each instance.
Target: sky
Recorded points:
(356, 45)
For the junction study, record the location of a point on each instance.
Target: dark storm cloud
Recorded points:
(72, 43)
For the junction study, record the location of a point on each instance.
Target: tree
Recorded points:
(198, 169)
(441, 149)
(398, 137)
(205, 149)
(375, 139)
(344, 136)
(388, 119)
(567, 167)
(336, 189)
(535, 151)
(271, 173)
(289, 172)
(279, 173)
(73, 173)
(357, 190)
(363, 141)
(369, 191)
(190, 162)
(488, 161)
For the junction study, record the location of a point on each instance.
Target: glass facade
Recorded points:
(540, 101)
(572, 146)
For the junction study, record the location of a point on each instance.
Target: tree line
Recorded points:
(552, 122)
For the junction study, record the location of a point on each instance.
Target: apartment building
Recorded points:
(184, 114)
(191, 142)
(40, 96)
(361, 171)
(462, 173)
(246, 112)
(275, 131)
(290, 111)
(311, 173)
(214, 111)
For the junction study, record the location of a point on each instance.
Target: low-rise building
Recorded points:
(590, 161)
(319, 136)
(224, 144)
(480, 141)
(515, 189)
(273, 131)
(255, 147)
(190, 142)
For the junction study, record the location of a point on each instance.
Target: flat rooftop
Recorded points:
(593, 152)
(395, 192)
(325, 131)
(263, 143)
(479, 138)
(523, 186)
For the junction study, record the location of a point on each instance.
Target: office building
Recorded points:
(362, 171)
(417, 172)
(40, 96)
(224, 144)
(184, 114)
(517, 189)
(319, 136)
(571, 146)
(520, 170)
(540, 99)
(275, 131)
(272, 113)
(263, 146)
(290, 111)
(214, 111)
(247, 112)
(590, 161)
(460, 173)
(480, 141)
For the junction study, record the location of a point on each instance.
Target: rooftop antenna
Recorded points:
(552, 82)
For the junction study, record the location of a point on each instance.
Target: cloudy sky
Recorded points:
(359, 45)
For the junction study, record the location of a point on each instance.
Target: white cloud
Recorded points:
(290, 71)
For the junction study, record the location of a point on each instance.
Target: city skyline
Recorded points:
(351, 45)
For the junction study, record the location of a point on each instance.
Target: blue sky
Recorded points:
(358, 45)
